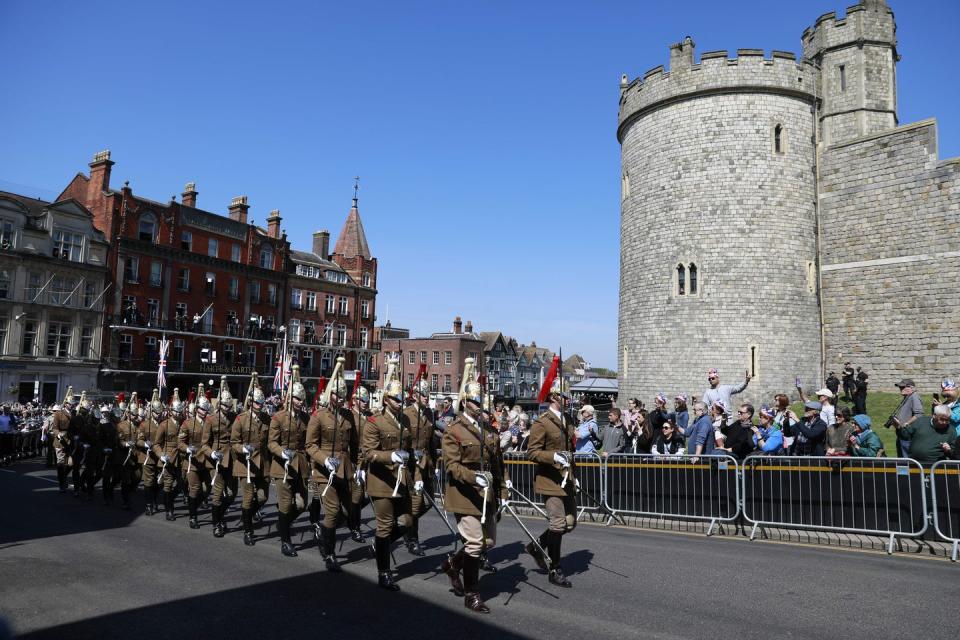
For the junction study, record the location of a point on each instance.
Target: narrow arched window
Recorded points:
(625, 185)
(778, 138)
(693, 279)
(681, 280)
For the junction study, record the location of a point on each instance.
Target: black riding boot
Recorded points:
(283, 525)
(384, 577)
(219, 529)
(125, 495)
(328, 550)
(353, 522)
(451, 566)
(247, 516)
(192, 506)
(471, 576)
(556, 573)
(62, 478)
(168, 498)
(412, 539)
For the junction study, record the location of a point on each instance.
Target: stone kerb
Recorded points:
(749, 72)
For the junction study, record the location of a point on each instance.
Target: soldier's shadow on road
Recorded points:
(331, 605)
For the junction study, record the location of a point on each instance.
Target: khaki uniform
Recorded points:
(288, 430)
(59, 430)
(424, 468)
(332, 433)
(549, 435)
(145, 456)
(463, 459)
(357, 492)
(216, 437)
(128, 469)
(251, 429)
(166, 443)
(382, 435)
(196, 468)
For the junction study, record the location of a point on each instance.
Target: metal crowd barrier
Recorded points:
(877, 496)
(945, 492)
(704, 488)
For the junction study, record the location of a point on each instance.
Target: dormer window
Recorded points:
(266, 257)
(147, 230)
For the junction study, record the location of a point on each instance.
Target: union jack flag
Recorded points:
(162, 370)
(284, 368)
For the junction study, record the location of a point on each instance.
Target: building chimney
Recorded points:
(321, 243)
(189, 195)
(99, 176)
(238, 209)
(469, 327)
(457, 325)
(273, 223)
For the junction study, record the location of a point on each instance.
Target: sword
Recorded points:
(286, 469)
(529, 502)
(127, 459)
(483, 515)
(106, 459)
(443, 517)
(396, 487)
(189, 460)
(533, 538)
(248, 468)
(329, 482)
(216, 470)
(162, 469)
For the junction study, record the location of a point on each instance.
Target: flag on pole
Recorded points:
(162, 370)
(280, 377)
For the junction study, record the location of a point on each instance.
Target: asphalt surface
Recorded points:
(76, 569)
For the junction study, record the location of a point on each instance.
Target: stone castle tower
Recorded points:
(762, 218)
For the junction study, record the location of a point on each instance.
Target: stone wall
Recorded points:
(891, 251)
(704, 185)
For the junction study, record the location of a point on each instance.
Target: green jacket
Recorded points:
(870, 447)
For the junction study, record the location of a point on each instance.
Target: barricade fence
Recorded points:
(680, 486)
(945, 489)
(873, 496)
(877, 496)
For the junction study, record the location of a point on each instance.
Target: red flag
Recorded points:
(421, 374)
(549, 380)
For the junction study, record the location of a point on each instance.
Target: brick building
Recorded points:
(219, 287)
(443, 353)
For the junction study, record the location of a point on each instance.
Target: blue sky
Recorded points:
(483, 132)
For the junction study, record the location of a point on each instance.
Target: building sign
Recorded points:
(225, 368)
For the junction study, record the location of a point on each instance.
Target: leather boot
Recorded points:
(538, 556)
(125, 496)
(247, 517)
(154, 494)
(413, 544)
(286, 546)
(384, 577)
(328, 550)
(219, 530)
(168, 498)
(471, 576)
(451, 566)
(192, 506)
(354, 523)
(257, 511)
(62, 478)
(485, 563)
(556, 573)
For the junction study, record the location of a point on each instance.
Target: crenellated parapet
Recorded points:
(749, 72)
(870, 22)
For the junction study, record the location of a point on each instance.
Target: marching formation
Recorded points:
(350, 450)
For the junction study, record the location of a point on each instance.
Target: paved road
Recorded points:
(71, 569)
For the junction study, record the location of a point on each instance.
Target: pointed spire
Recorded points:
(352, 240)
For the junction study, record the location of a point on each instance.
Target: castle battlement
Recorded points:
(750, 71)
(869, 22)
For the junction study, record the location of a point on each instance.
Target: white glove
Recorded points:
(148, 444)
(287, 454)
(86, 446)
(418, 454)
(164, 459)
(107, 450)
(399, 457)
(509, 484)
(130, 444)
(418, 486)
(191, 450)
(561, 460)
(247, 449)
(480, 480)
(362, 476)
(576, 483)
(332, 464)
(216, 455)
(75, 438)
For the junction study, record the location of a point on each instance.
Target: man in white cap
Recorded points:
(722, 392)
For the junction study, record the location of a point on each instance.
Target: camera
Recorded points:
(891, 422)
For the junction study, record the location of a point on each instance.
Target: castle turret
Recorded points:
(857, 56)
(718, 227)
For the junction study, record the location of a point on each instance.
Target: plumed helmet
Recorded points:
(178, 407)
(84, 402)
(560, 387)
(118, 411)
(258, 397)
(362, 394)
(338, 386)
(68, 399)
(122, 401)
(156, 406)
(141, 413)
(101, 416)
(203, 404)
(422, 387)
(298, 391)
(225, 397)
(393, 389)
(473, 392)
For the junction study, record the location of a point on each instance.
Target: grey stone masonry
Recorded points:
(774, 219)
